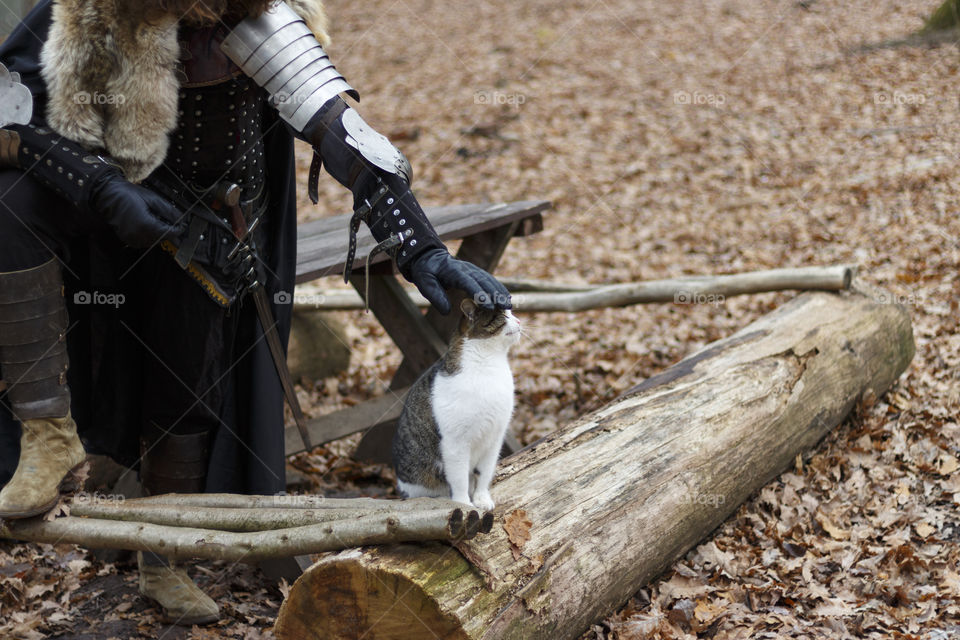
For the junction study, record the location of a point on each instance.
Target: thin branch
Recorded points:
(180, 543)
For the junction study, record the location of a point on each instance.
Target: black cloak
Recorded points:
(105, 358)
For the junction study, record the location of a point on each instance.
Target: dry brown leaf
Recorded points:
(62, 508)
(517, 525)
(707, 612)
(835, 532)
(948, 464)
(284, 588)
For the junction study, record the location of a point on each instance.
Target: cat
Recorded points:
(457, 413)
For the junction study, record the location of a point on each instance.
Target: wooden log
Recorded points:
(183, 542)
(618, 496)
(551, 297)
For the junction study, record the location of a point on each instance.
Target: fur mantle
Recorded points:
(111, 79)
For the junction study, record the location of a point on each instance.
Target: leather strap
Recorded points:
(319, 130)
(314, 178)
(362, 214)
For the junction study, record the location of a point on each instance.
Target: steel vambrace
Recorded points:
(280, 53)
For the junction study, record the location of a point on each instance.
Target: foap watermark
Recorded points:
(497, 98)
(909, 300)
(98, 498)
(85, 97)
(709, 499)
(693, 297)
(115, 300)
(296, 501)
(290, 98)
(886, 98)
(285, 298)
(498, 299)
(699, 98)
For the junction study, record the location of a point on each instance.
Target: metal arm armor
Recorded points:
(281, 54)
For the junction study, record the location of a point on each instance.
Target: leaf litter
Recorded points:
(682, 138)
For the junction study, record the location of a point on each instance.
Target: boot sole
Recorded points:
(68, 485)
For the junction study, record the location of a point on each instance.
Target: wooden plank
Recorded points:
(322, 244)
(345, 422)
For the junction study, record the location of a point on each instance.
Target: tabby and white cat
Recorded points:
(457, 413)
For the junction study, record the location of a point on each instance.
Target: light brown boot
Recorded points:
(182, 601)
(34, 362)
(49, 450)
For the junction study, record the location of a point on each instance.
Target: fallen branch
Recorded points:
(236, 501)
(180, 543)
(534, 296)
(217, 518)
(247, 513)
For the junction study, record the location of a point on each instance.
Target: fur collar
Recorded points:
(111, 79)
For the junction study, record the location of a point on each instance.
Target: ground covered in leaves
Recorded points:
(673, 138)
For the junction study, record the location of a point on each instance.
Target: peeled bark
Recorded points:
(618, 496)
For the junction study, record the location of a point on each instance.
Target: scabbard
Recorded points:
(269, 324)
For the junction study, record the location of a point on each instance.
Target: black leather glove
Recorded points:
(436, 270)
(140, 217)
(94, 184)
(383, 200)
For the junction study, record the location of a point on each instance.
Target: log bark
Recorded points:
(532, 296)
(183, 542)
(618, 496)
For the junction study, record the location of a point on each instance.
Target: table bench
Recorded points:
(485, 229)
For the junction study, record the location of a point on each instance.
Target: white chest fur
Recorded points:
(475, 404)
(472, 409)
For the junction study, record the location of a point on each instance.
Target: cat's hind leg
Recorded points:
(411, 490)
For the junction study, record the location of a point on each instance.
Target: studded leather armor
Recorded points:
(219, 135)
(215, 168)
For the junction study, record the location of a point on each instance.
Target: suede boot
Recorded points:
(174, 463)
(33, 363)
(49, 451)
(182, 601)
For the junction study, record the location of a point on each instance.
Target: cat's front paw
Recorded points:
(483, 502)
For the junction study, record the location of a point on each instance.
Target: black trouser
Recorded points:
(186, 340)
(35, 223)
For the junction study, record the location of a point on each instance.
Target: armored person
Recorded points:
(146, 192)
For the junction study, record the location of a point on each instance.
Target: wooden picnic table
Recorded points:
(485, 231)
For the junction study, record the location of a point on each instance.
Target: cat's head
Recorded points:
(498, 325)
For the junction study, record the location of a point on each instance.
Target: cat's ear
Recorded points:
(469, 308)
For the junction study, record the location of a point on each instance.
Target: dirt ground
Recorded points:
(672, 138)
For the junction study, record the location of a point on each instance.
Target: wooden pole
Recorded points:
(591, 513)
(533, 296)
(178, 542)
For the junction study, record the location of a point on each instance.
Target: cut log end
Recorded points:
(352, 597)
